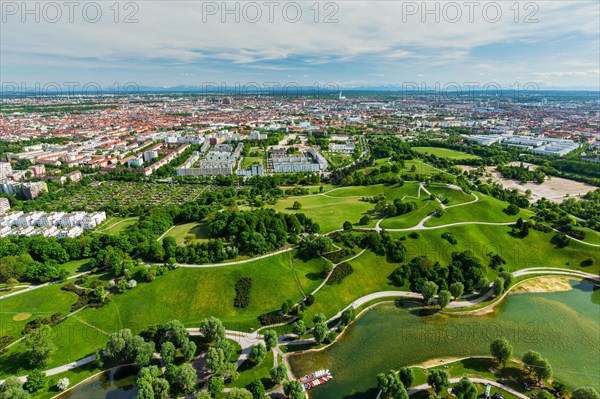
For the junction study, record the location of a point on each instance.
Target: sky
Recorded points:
(276, 44)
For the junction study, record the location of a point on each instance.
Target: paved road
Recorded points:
(36, 287)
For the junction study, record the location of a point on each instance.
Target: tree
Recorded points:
(270, 337)
(347, 226)
(585, 393)
(63, 384)
(389, 384)
(508, 279)
(299, 328)
(498, 286)
(407, 376)
(215, 385)
(501, 350)
(12, 388)
(212, 329)
(364, 220)
(189, 350)
(465, 389)
(287, 306)
(238, 393)
(512, 210)
(482, 284)
(117, 342)
(428, 290)
(320, 332)
(39, 346)
(185, 378)
(457, 289)
(203, 395)
(530, 359)
(278, 373)
(36, 380)
(561, 390)
(542, 370)
(160, 386)
(167, 352)
(257, 389)
(348, 316)
(296, 205)
(293, 390)
(257, 353)
(215, 359)
(444, 298)
(144, 390)
(438, 380)
(319, 318)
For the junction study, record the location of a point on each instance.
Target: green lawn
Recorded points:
(77, 266)
(411, 219)
(449, 196)
(329, 212)
(115, 225)
(487, 209)
(445, 153)
(249, 161)
(421, 168)
(189, 233)
(189, 295)
(249, 372)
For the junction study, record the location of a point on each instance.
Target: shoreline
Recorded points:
(485, 310)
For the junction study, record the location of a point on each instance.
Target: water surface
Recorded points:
(563, 326)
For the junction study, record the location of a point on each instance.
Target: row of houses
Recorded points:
(83, 220)
(46, 231)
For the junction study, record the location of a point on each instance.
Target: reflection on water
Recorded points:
(563, 326)
(114, 384)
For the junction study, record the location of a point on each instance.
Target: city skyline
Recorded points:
(354, 44)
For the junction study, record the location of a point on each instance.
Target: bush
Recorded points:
(131, 284)
(450, 238)
(63, 384)
(340, 272)
(338, 256)
(268, 319)
(310, 299)
(242, 292)
(414, 235)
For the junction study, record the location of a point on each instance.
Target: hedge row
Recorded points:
(342, 270)
(338, 256)
(242, 292)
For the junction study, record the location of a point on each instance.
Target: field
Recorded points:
(76, 266)
(115, 225)
(189, 295)
(371, 272)
(119, 194)
(421, 168)
(329, 212)
(445, 153)
(337, 159)
(249, 372)
(189, 233)
(487, 209)
(249, 161)
(450, 196)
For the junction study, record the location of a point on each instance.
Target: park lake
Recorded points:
(118, 383)
(563, 326)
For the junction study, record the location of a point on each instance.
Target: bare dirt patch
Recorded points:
(553, 188)
(544, 284)
(21, 316)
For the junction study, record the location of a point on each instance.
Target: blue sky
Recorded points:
(363, 44)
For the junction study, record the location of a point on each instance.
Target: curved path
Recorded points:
(474, 380)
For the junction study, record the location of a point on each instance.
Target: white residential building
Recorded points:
(48, 231)
(71, 219)
(50, 219)
(70, 232)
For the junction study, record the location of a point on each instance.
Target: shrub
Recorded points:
(338, 256)
(450, 238)
(414, 235)
(267, 319)
(242, 292)
(131, 284)
(310, 299)
(340, 272)
(63, 384)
